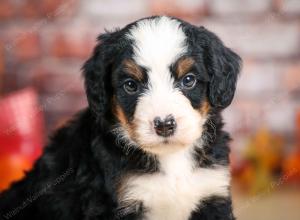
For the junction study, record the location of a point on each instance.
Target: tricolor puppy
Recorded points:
(150, 145)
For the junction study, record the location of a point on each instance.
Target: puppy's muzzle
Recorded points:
(165, 127)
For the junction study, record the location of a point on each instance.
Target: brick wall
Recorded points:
(43, 43)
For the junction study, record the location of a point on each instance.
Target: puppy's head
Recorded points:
(157, 80)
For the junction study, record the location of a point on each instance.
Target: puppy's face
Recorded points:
(160, 80)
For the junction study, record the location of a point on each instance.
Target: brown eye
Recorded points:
(130, 87)
(189, 81)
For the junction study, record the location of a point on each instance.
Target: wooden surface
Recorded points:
(282, 204)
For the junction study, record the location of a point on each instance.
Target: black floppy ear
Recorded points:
(223, 66)
(95, 71)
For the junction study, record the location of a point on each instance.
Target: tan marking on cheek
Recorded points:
(205, 107)
(133, 69)
(128, 126)
(184, 65)
(121, 115)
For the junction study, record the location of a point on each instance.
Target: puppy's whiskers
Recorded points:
(123, 140)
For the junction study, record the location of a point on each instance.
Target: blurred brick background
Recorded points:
(43, 43)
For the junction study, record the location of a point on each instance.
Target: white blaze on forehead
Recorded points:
(158, 42)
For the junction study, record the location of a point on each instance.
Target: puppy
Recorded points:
(150, 144)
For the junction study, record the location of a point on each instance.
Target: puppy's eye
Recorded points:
(130, 87)
(188, 81)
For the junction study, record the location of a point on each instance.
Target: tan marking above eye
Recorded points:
(133, 69)
(184, 65)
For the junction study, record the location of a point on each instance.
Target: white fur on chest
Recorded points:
(177, 190)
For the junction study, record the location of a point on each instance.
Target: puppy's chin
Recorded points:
(140, 133)
(154, 145)
(164, 148)
(161, 146)
(167, 146)
(188, 133)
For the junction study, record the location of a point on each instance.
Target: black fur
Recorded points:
(221, 64)
(214, 208)
(77, 175)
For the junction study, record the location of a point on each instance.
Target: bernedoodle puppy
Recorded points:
(150, 144)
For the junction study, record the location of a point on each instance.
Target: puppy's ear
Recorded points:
(223, 66)
(96, 73)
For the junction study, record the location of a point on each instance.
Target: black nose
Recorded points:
(165, 127)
